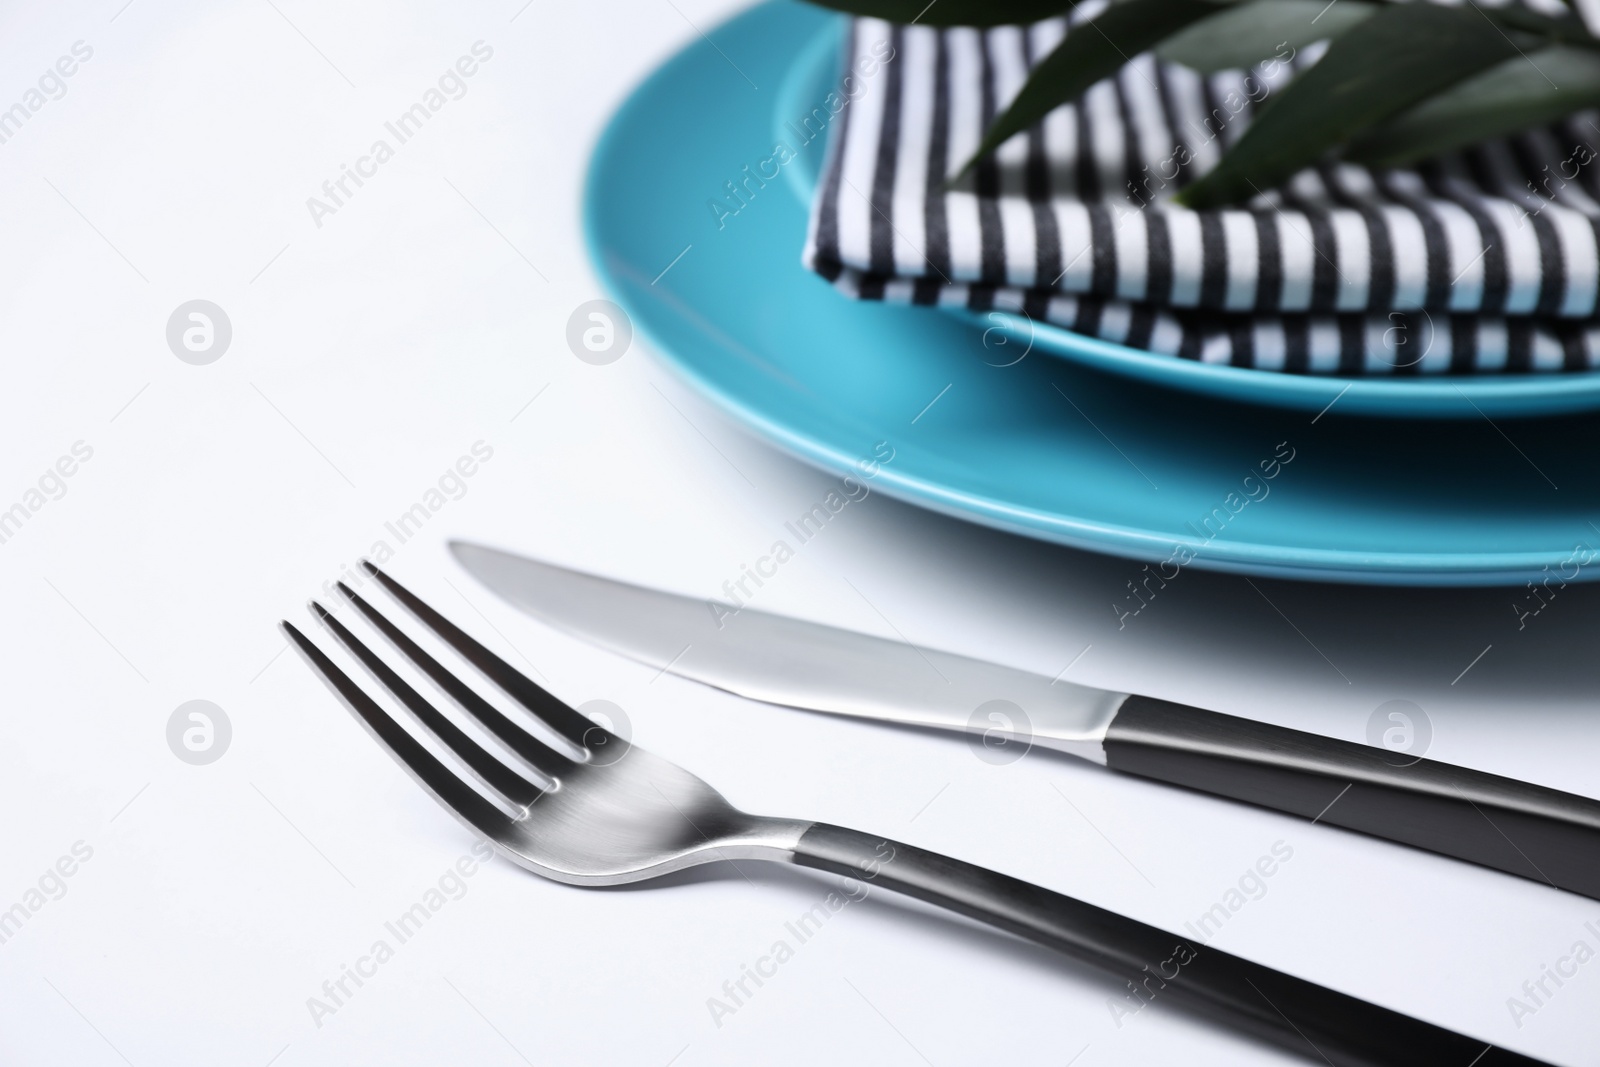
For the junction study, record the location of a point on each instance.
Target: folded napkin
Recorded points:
(1484, 260)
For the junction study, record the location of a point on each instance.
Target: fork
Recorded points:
(594, 809)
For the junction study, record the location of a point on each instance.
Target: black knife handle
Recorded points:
(1524, 829)
(1320, 1024)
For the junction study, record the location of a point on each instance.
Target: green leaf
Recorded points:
(1089, 53)
(953, 12)
(1566, 28)
(1246, 33)
(1517, 95)
(1400, 56)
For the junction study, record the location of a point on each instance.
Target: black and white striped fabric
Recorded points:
(1482, 261)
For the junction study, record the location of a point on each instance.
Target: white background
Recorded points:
(372, 352)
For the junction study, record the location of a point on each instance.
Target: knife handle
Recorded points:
(1320, 1024)
(1528, 830)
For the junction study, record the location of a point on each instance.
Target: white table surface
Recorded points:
(371, 352)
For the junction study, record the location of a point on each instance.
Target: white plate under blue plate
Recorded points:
(1410, 396)
(1047, 448)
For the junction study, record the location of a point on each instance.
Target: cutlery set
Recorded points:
(572, 801)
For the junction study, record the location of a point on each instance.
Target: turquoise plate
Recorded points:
(1457, 397)
(1042, 447)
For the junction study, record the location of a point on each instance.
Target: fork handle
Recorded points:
(1157, 965)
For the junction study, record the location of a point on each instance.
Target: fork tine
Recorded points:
(540, 755)
(446, 786)
(499, 777)
(547, 709)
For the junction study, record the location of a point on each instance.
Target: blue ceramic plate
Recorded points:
(1043, 447)
(1500, 396)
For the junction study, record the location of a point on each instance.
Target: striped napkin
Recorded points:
(1482, 261)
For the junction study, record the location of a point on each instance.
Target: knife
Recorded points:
(1517, 827)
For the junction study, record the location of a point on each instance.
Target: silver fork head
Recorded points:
(604, 813)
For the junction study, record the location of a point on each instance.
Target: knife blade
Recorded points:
(1524, 829)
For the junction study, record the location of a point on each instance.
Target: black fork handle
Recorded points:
(1319, 1023)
